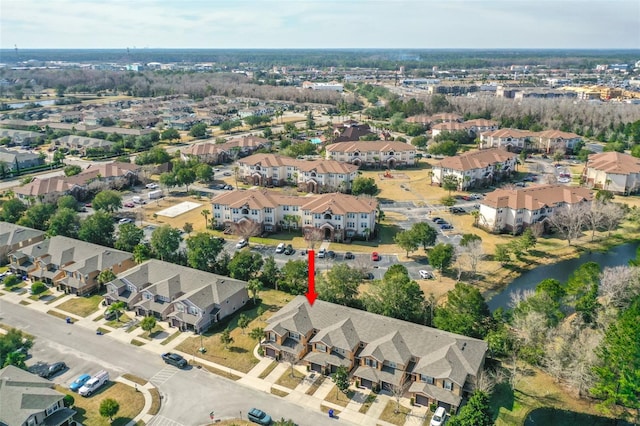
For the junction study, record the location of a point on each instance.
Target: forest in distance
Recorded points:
(384, 59)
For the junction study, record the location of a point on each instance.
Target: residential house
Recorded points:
(70, 265)
(388, 154)
(28, 400)
(20, 137)
(309, 175)
(472, 127)
(613, 171)
(378, 351)
(350, 131)
(509, 139)
(340, 217)
(187, 298)
(475, 168)
(512, 210)
(550, 141)
(213, 153)
(14, 237)
(13, 161)
(83, 144)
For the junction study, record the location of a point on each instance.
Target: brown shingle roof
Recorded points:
(476, 159)
(363, 146)
(320, 166)
(536, 197)
(614, 163)
(509, 133)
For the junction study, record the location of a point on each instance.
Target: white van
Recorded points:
(439, 417)
(94, 383)
(280, 248)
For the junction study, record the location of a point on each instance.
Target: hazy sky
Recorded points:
(319, 23)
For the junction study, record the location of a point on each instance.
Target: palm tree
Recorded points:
(236, 171)
(206, 214)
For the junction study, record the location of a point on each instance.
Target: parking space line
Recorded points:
(163, 375)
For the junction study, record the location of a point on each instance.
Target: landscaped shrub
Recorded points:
(68, 400)
(432, 407)
(11, 280)
(38, 287)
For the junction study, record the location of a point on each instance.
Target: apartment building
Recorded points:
(475, 168)
(550, 141)
(308, 175)
(70, 265)
(210, 152)
(340, 217)
(388, 154)
(613, 171)
(379, 352)
(187, 298)
(511, 210)
(472, 127)
(509, 139)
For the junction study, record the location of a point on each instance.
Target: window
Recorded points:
(254, 212)
(448, 385)
(193, 310)
(320, 347)
(268, 210)
(364, 216)
(51, 409)
(371, 362)
(179, 307)
(426, 379)
(295, 208)
(294, 335)
(391, 364)
(234, 211)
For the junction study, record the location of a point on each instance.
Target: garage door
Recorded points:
(422, 400)
(316, 367)
(366, 383)
(271, 352)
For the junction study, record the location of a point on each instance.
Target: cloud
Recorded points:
(320, 23)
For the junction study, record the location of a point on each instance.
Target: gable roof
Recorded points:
(614, 163)
(11, 234)
(385, 338)
(536, 197)
(508, 133)
(364, 146)
(12, 156)
(320, 166)
(476, 159)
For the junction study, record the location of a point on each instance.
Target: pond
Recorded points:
(22, 104)
(619, 255)
(552, 417)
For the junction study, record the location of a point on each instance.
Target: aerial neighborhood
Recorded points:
(357, 242)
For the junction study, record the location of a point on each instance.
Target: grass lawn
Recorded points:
(336, 397)
(120, 322)
(239, 356)
(156, 402)
(81, 306)
(135, 379)
(288, 381)
(314, 387)
(367, 403)
(136, 342)
(41, 295)
(389, 415)
(326, 409)
(131, 403)
(57, 314)
(216, 371)
(25, 302)
(55, 298)
(268, 370)
(150, 335)
(235, 422)
(278, 392)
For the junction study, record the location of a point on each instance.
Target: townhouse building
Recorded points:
(20, 137)
(550, 141)
(509, 139)
(28, 400)
(83, 144)
(70, 265)
(472, 127)
(12, 160)
(14, 237)
(339, 216)
(187, 298)
(389, 154)
(475, 168)
(308, 175)
(212, 153)
(613, 171)
(379, 352)
(512, 210)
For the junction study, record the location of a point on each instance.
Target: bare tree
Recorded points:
(313, 236)
(248, 228)
(397, 391)
(519, 295)
(290, 358)
(569, 221)
(595, 217)
(486, 381)
(612, 215)
(619, 285)
(473, 255)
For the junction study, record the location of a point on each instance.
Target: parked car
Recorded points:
(289, 250)
(280, 248)
(242, 243)
(375, 256)
(457, 210)
(53, 369)
(227, 173)
(129, 204)
(79, 382)
(426, 275)
(436, 219)
(322, 253)
(125, 220)
(441, 222)
(368, 276)
(348, 255)
(93, 384)
(259, 417)
(174, 359)
(331, 254)
(438, 417)
(446, 226)
(152, 186)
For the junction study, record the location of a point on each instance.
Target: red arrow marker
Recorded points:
(311, 292)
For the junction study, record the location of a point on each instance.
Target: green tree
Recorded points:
(294, 277)
(448, 148)
(165, 241)
(419, 141)
(205, 213)
(469, 238)
(502, 254)
(340, 285)
(225, 338)
(38, 287)
(11, 281)
(170, 134)
(553, 288)
(528, 240)
(245, 265)
(141, 252)
(129, 236)
(396, 296)
(12, 210)
(476, 412)
(168, 180)
(185, 177)
(106, 276)
(107, 200)
(364, 185)
(441, 256)
(270, 273)
(72, 170)
(465, 312)
(117, 308)
(17, 359)
(256, 333)
(203, 250)
(425, 234)
(198, 130)
(148, 323)
(254, 286)
(618, 373)
(243, 322)
(10, 342)
(65, 222)
(67, 202)
(109, 407)
(450, 183)
(407, 240)
(98, 229)
(341, 379)
(37, 216)
(204, 172)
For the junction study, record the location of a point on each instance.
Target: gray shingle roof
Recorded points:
(11, 234)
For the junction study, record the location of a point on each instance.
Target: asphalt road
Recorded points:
(188, 395)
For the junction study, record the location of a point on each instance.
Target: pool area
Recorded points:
(316, 141)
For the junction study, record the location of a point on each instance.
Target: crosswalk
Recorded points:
(163, 375)
(163, 421)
